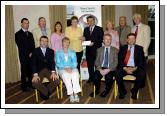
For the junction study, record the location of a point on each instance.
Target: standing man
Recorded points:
(43, 65)
(41, 31)
(130, 62)
(143, 38)
(106, 63)
(123, 30)
(25, 43)
(142, 33)
(94, 34)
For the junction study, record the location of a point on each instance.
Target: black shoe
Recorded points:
(134, 94)
(142, 86)
(122, 96)
(92, 94)
(25, 89)
(44, 97)
(104, 93)
(89, 81)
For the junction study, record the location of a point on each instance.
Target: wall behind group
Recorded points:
(123, 10)
(32, 12)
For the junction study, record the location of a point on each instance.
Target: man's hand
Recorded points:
(54, 76)
(130, 70)
(82, 38)
(69, 70)
(35, 79)
(106, 71)
(92, 43)
(30, 55)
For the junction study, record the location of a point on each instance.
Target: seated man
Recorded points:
(130, 62)
(43, 65)
(66, 62)
(106, 63)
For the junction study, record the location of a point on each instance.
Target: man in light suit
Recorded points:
(123, 30)
(106, 63)
(143, 39)
(43, 65)
(142, 32)
(41, 31)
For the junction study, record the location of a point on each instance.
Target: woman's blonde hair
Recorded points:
(110, 21)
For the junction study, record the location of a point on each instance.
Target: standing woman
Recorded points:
(113, 33)
(57, 36)
(75, 34)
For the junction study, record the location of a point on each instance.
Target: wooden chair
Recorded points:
(45, 80)
(126, 78)
(102, 79)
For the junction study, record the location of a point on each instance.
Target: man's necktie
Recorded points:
(26, 32)
(44, 51)
(91, 30)
(136, 31)
(106, 59)
(127, 56)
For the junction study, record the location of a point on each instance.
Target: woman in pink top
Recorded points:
(57, 36)
(113, 33)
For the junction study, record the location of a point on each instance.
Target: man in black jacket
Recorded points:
(25, 43)
(43, 65)
(94, 34)
(130, 62)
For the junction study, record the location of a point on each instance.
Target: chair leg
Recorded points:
(57, 88)
(138, 94)
(36, 95)
(81, 87)
(115, 89)
(94, 90)
(61, 89)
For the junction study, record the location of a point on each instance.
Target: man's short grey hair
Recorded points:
(137, 15)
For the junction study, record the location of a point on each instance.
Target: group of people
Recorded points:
(116, 52)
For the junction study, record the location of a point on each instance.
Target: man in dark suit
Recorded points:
(25, 43)
(43, 65)
(130, 62)
(106, 63)
(94, 34)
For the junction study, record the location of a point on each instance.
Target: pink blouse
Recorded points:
(56, 41)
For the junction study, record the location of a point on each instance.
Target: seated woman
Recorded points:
(66, 62)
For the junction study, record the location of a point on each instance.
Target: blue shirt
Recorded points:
(131, 58)
(62, 63)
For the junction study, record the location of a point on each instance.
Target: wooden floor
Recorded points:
(14, 95)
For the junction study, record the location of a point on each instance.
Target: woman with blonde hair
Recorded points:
(66, 62)
(75, 34)
(113, 33)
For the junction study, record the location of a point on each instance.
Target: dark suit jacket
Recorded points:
(39, 61)
(25, 44)
(96, 37)
(113, 58)
(138, 56)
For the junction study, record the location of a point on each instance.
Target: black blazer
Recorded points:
(96, 37)
(25, 44)
(138, 56)
(39, 61)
